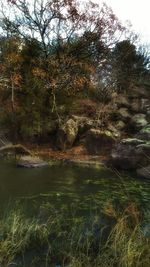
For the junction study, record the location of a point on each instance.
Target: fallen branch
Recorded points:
(17, 149)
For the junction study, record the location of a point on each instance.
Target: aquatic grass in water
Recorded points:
(60, 238)
(58, 220)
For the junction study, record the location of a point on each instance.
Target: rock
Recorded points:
(115, 132)
(67, 134)
(148, 114)
(124, 158)
(144, 133)
(84, 123)
(31, 162)
(145, 104)
(129, 154)
(132, 141)
(120, 125)
(97, 140)
(135, 105)
(144, 148)
(144, 172)
(138, 121)
(124, 114)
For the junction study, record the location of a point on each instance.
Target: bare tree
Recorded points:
(59, 20)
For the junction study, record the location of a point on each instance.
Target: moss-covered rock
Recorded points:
(144, 133)
(67, 134)
(139, 121)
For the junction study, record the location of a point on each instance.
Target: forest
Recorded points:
(74, 137)
(54, 55)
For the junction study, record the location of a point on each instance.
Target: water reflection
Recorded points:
(65, 185)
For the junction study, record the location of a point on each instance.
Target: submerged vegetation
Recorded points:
(116, 237)
(70, 217)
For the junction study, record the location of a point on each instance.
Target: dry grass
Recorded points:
(64, 240)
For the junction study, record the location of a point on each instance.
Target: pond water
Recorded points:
(65, 185)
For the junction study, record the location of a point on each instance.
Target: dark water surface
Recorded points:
(63, 184)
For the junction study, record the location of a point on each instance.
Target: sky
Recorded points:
(135, 11)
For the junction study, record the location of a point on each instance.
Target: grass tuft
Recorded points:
(54, 239)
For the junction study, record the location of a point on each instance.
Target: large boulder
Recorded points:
(67, 134)
(145, 104)
(138, 121)
(129, 154)
(97, 140)
(136, 105)
(122, 101)
(132, 141)
(144, 172)
(140, 105)
(123, 114)
(144, 133)
(31, 162)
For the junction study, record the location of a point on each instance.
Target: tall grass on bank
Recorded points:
(55, 239)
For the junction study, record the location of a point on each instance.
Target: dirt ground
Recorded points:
(76, 153)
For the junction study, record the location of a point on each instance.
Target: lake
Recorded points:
(65, 185)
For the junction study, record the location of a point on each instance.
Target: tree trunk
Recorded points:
(12, 94)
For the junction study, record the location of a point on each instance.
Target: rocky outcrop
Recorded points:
(123, 114)
(83, 123)
(67, 134)
(135, 105)
(130, 154)
(97, 140)
(144, 172)
(122, 101)
(31, 162)
(144, 133)
(138, 121)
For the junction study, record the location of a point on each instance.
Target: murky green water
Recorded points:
(65, 185)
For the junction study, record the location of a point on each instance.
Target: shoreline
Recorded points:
(76, 154)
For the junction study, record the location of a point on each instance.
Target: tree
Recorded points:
(10, 66)
(61, 48)
(59, 20)
(74, 42)
(129, 65)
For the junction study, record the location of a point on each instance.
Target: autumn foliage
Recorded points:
(51, 54)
